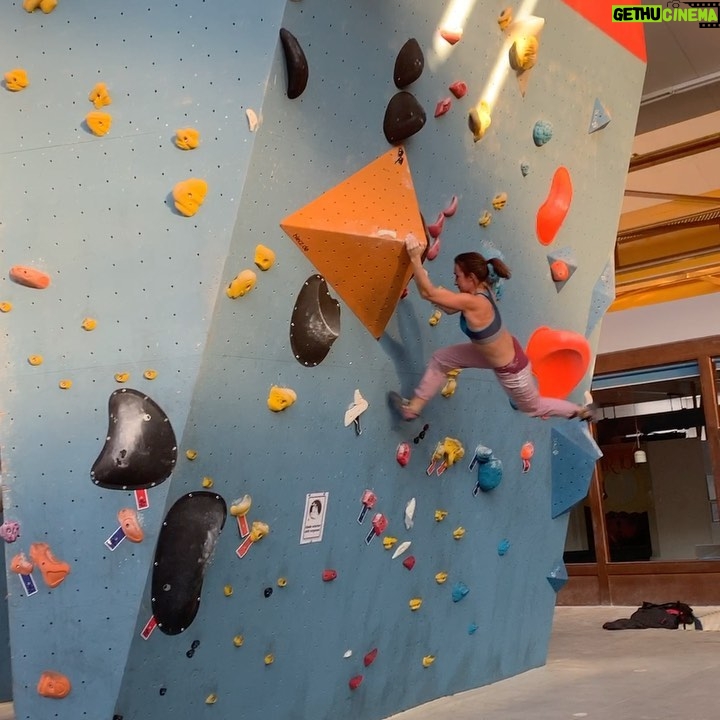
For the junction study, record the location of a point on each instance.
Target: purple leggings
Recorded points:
(516, 379)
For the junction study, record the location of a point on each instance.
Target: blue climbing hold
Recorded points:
(503, 547)
(558, 576)
(472, 628)
(459, 591)
(542, 132)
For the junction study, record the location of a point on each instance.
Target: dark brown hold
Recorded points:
(295, 63)
(409, 64)
(404, 117)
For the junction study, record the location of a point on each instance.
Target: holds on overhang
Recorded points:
(315, 322)
(140, 449)
(404, 116)
(409, 64)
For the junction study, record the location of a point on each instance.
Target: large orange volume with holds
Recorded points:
(354, 235)
(559, 359)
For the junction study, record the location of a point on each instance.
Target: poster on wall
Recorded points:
(314, 517)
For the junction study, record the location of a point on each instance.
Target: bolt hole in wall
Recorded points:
(658, 493)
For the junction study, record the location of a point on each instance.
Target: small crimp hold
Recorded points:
(485, 219)
(500, 200)
(451, 209)
(443, 106)
(435, 229)
(459, 89)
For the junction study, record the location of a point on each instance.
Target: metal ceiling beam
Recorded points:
(674, 152)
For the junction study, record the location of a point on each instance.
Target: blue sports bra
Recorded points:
(491, 331)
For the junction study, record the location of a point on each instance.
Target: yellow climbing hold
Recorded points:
(282, 582)
(189, 195)
(240, 507)
(5, 307)
(435, 318)
(269, 659)
(65, 384)
(523, 53)
(211, 699)
(242, 284)
(191, 454)
(428, 660)
(280, 398)
(499, 201)
(389, 542)
(505, 18)
(238, 640)
(122, 377)
(207, 482)
(99, 122)
(459, 532)
(479, 120)
(47, 6)
(187, 138)
(150, 374)
(415, 604)
(228, 590)
(89, 324)
(35, 359)
(441, 577)
(264, 257)
(258, 530)
(99, 95)
(449, 387)
(16, 79)
(440, 515)
(485, 219)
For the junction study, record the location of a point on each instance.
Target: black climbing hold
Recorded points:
(315, 322)
(185, 546)
(190, 653)
(195, 645)
(163, 690)
(295, 64)
(267, 592)
(140, 450)
(404, 116)
(409, 64)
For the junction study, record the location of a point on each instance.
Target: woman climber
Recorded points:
(491, 346)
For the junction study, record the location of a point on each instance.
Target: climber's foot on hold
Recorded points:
(402, 407)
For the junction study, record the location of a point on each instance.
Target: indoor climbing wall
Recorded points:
(203, 313)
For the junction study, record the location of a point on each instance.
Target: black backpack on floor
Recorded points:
(651, 615)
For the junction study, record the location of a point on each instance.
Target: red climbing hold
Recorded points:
(451, 209)
(379, 523)
(443, 106)
(369, 659)
(355, 682)
(329, 575)
(559, 271)
(451, 36)
(434, 250)
(436, 228)
(409, 562)
(402, 454)
(459, 89)
(552, 212)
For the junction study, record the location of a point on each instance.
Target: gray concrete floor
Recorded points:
(602, 675)
(597, 674)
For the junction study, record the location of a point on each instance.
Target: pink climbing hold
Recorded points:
(459, 89)
(409, 562)
(451, 209)
(434, 249)
(436, 228)
(443, 106)
(369, 658)
(379, 523)
(402, 454)
(553, 211)
(451, 36)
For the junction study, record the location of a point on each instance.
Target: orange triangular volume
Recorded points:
(354, 236)
(599, 12)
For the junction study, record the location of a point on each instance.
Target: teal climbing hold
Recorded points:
(558, 576)
(542, 132)
(600, 117)
(573, 453)
(503, 547)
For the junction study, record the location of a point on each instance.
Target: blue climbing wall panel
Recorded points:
(96, 213)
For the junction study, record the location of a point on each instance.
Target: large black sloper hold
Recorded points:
(315, 322)
(404, 116)
(184, 549)
(140, 450)
(409, 64)
(295, 63)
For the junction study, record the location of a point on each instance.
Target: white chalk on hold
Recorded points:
(385, 233)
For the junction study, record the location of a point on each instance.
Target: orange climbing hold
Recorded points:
(559, 358)
(189, 195)
(29, 276)
(21, 565)
(130, 524)
(98, 122)
(99, 95)
(16, 79)
(553, 211)
(54, 685)
(54, 571)
(559, 271)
